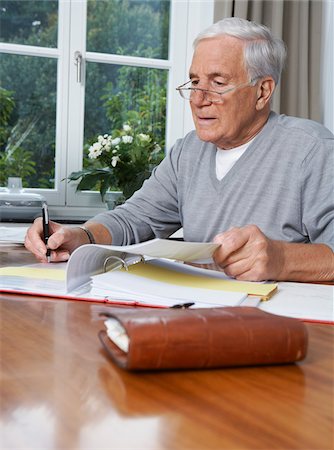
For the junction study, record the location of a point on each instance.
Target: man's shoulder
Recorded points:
(304, 126)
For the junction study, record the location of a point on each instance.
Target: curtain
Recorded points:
(299, 24)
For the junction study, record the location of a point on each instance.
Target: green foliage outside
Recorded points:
(114, 93)
(14, 161)
(28, 150)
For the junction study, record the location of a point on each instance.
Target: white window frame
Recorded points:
(187, 19)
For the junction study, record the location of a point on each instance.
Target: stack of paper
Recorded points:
(12, 235)
(149, 283)
(165, 283)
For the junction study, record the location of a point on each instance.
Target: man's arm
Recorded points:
(247, 254)
(63, 240)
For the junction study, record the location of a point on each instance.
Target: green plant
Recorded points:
(16, 163)
(7, 105)
(121, 160)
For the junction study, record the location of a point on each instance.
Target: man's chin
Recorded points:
(205, 135)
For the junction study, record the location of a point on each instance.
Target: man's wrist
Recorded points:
(306, 262)
(89, 234)
(99, 233)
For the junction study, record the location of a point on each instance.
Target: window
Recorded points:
(63, 66)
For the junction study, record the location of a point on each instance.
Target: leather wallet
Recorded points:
(204, 338)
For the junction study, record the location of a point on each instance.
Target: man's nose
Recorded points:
(199, 98)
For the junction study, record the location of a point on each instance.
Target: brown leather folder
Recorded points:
(205, 338)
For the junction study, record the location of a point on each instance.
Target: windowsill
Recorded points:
(61, 214)
(71, 214)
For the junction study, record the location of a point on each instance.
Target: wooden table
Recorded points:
(59, 390)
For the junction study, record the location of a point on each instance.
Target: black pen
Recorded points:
(46, 229)
(182, 305)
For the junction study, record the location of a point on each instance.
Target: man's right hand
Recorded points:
(62, 241)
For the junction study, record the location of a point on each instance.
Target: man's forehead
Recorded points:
(218, 56)
(210, 74)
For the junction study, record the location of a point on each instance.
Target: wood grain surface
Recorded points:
(59, 390)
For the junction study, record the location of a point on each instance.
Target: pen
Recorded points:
(183, 305)
(46, 229)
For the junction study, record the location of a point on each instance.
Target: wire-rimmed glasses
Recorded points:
(188, 93)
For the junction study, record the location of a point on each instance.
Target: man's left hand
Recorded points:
(247, 254)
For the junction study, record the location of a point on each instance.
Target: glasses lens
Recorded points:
(189, 94)
(213, 97)
(185, 93)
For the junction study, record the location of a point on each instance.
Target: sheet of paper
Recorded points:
(303, 301)
(12, 235)
(89, 259)
(231, 285)
(39, 278)
(154, 284)
(48, 272)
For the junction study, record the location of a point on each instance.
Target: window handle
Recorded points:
(78, 63)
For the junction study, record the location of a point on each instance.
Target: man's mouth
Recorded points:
(205, 120)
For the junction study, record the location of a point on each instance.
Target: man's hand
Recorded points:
(247, 254)
(62, 241)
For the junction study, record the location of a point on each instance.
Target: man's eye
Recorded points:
(219, 83)
(194, 82)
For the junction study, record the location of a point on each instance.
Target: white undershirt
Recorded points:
(225, 159)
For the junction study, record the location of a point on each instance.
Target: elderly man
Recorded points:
(258, 183)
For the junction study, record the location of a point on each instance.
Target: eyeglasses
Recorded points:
(188, 93)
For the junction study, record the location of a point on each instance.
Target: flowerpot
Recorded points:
(112, 199)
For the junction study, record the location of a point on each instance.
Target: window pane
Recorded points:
(29, 22)
(128, 27)
(28, 119)
(114, 92)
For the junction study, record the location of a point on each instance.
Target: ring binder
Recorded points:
(117, 258)
(122, 261)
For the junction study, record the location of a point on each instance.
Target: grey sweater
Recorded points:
(283, 183)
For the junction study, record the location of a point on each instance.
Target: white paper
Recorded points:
(89, 259)
(12, 235)
(117, 334)
(121, 284)
(302, 300)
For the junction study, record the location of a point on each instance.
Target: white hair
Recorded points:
(264, 54)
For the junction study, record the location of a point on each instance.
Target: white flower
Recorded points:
(95, 150)
(157, 148)
(144, 137)
(115, 141)
(127, 139)
(126, 127)
(114, 160)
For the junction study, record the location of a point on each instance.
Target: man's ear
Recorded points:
(265, 90)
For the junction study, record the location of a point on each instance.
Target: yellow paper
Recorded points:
(33, 272)
(198, 281)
